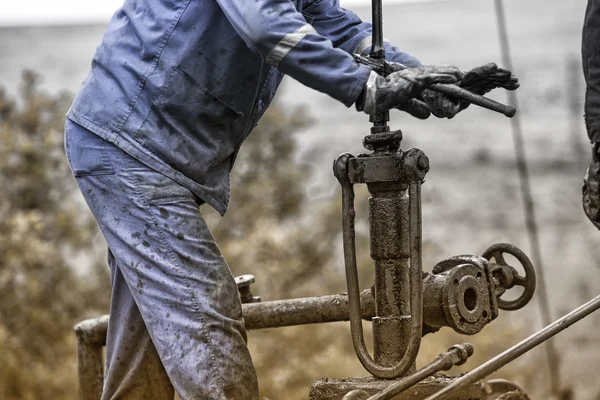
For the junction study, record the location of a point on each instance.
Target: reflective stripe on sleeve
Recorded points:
(366, 44)
(287, 43)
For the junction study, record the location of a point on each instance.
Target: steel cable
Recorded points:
(528, 204)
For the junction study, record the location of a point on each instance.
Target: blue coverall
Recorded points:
(175, 87)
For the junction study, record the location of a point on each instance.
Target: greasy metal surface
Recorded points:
(465, 299)
(383, 141)
(312, 310)
(461, 293)
(517, 350)
(401, 167)
(528, 281)
(456, 355)
(390, 250)
(336, 389)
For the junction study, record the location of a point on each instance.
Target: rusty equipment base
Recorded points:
(336, 389)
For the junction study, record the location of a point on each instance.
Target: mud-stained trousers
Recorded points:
(176, 317)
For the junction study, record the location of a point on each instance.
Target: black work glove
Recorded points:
(591, 189)
(400, 89)
(479, 80)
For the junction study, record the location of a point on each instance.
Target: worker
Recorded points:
(591, 70)
(174, 89)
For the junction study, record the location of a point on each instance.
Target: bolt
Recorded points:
(423, 162)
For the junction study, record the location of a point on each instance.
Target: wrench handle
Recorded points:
(455, 91)
(481, 101)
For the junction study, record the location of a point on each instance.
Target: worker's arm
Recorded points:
(280, 34)
(348, 32)
(591, 70)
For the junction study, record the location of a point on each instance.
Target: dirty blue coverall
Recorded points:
(175, 87)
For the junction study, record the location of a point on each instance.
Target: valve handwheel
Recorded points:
(497, 252)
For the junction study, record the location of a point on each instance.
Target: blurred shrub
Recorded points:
(42, 226)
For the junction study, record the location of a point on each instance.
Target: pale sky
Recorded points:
(25, 12)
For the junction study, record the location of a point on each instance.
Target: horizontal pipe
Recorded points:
(309, 310)
(263, 315)
(303, 311)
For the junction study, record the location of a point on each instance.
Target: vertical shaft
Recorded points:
(390, 250)
(377, 51)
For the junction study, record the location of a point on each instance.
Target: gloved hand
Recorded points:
(400, 89)
(591, 189)
(479, 80)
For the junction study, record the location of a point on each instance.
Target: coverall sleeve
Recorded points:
(348, 32)
(281, 35)
(591, 68)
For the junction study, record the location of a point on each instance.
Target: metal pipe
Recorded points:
(377, 49)
(518, 350)
(456, 355)
(390, 251)
(310, 310)
(481, 101)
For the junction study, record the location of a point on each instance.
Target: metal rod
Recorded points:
(377, 49)
(456, 355)
(518, 350)
(481, 101)
(528, 205)
(303, 311)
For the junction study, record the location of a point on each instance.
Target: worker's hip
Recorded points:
(177, 275)
(148, 217)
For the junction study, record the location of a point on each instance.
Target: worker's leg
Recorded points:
(176, 274)
(133, 368)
